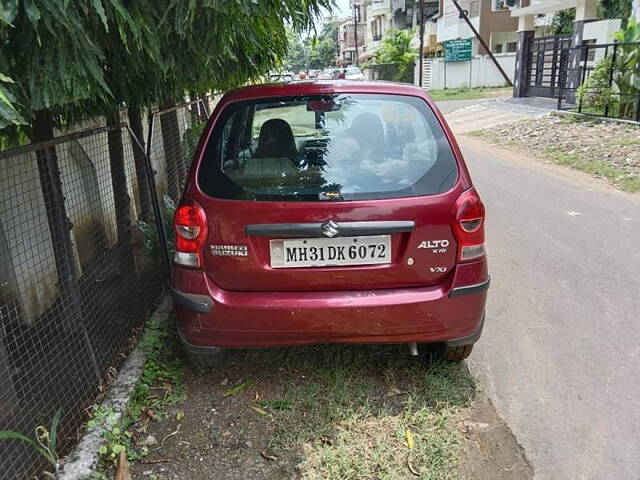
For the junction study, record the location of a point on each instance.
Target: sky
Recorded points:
(342, 8)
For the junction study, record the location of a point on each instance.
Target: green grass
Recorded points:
(613, 173)
(469, 93)
(589, 161)
(349, 414)
(160, 386)
(477, 134)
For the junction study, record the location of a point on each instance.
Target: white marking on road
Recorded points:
(574, 214)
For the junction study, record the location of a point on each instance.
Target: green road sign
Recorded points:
(457, 50)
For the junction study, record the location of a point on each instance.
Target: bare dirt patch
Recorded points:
(492, 452)
(343, 412)
(605, 149)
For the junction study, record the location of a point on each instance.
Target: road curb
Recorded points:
(82, 461)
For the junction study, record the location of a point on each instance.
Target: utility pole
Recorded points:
(421, 16)
(465, 15)
(356, 19)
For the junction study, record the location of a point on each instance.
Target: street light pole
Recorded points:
(421, 14)
(356, 15)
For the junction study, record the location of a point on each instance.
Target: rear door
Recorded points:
(339, 192)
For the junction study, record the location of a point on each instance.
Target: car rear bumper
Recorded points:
(209, 316)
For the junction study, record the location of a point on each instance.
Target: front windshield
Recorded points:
(345, 147)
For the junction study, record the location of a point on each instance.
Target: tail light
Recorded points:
(190, 225)
(468, 226)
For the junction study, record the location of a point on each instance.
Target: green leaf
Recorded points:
(5, 79)
(237, 389)
(117, 448)
(11, 435)
(8, 11)
(33, 12)
(97, 4)
(53, 441)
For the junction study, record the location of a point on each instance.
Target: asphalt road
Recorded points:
(560, 351)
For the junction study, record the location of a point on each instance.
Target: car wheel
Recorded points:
(458, 353)
(213, 358)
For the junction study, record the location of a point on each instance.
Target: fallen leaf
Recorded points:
(268, 456)
(148, 442)
(179, 416)
(237, 389)
(258, 409)
(393, 392)
(122, 470)
(146, 416)
(411, 468)
(410, 440)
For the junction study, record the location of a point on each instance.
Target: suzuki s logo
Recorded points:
(329, 228)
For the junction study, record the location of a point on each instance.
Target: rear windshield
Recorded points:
(330, 147)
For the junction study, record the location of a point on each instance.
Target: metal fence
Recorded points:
(602, 80)
(82, 262)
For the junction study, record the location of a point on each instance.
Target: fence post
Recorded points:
(149, 175)
(59, 229)
(135, 119)
(204, 99)
(172, 149)
(585, 52)
(613, 66)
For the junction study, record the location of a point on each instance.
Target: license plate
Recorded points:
(330, 252)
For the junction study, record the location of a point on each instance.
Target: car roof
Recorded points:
(318, 87)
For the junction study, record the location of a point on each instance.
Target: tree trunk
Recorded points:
(135, 118)
(59, 223)
(60, 230)
(120, 196)
(172, 150)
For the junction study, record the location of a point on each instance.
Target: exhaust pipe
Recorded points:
(413, 349)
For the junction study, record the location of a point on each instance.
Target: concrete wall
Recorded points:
(601, 31)
(502, 38)
(479, 72)
(28, 274)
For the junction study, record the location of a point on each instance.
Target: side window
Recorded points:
(226, 147)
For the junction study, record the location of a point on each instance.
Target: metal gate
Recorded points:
(547, 61)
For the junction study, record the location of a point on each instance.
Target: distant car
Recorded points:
(330, 73)
(328, 212)
(354, 73)
(314, 73)
(282, 77)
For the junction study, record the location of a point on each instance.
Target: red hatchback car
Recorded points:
(324, 212)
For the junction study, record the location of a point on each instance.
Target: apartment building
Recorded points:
(442, 22)
(491, 18)
(347, 41)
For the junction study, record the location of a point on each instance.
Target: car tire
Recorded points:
(458, 353)
(211, 359)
